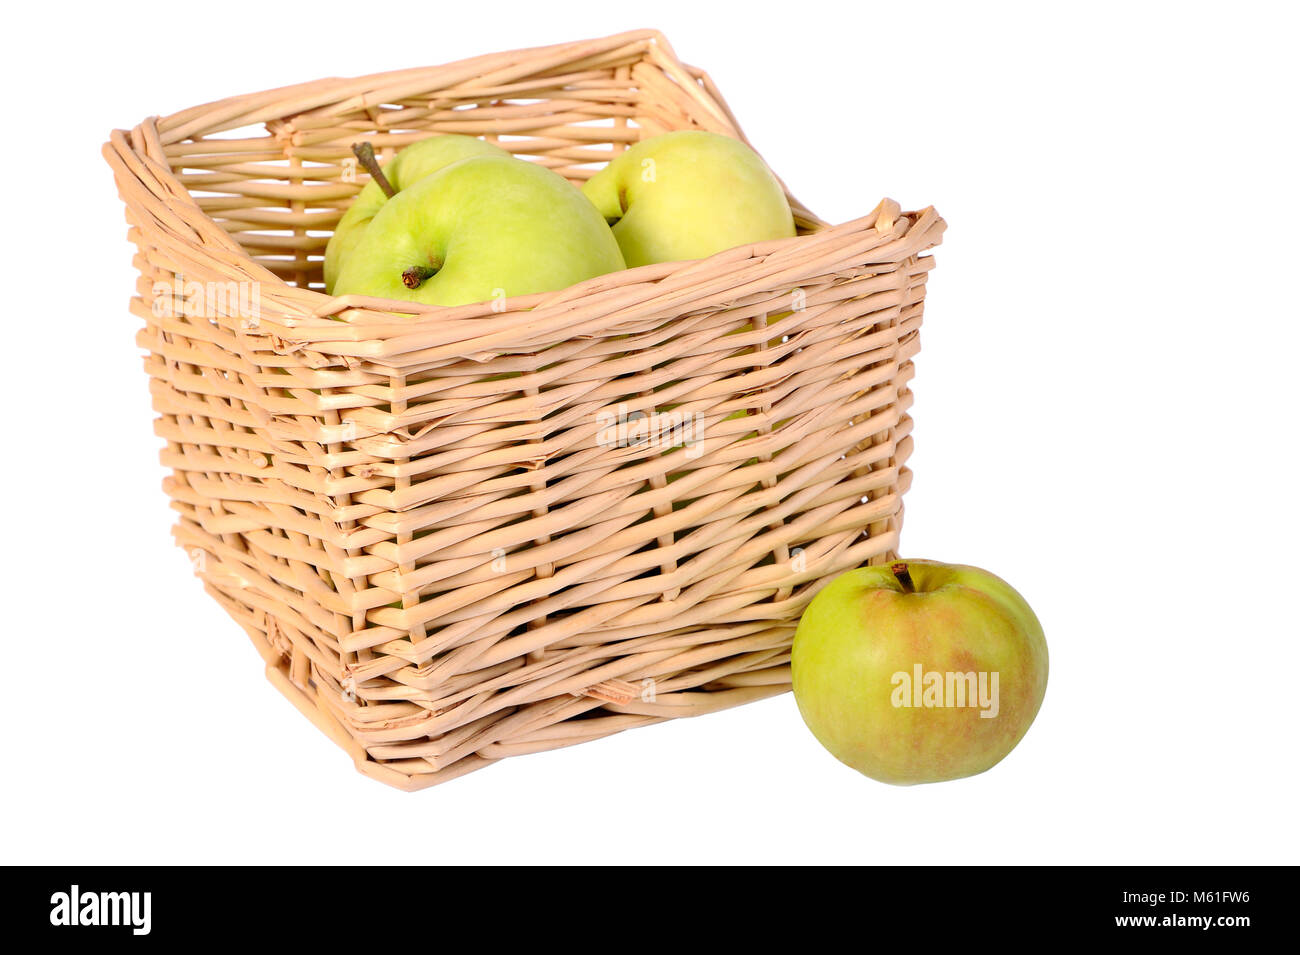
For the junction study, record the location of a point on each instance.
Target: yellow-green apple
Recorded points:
(412, 164)
(482, 228)
(687, 195)
(919, 671)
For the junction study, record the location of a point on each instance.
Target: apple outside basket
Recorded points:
(460, 534)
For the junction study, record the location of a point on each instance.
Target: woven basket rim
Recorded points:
(375, 328)
(169, 125)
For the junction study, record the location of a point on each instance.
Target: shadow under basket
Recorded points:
(460, 534)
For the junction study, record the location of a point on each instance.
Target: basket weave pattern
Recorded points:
(420, 519)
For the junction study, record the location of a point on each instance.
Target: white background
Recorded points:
(1105, 415)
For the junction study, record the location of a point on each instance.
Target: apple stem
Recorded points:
(414, 277)
(365, 154)
(904, 577)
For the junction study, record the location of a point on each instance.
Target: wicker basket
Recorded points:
(465, 533)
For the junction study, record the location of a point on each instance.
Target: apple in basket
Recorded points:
(920, 671)
(412, 164)
(687, 195)
(478, 229)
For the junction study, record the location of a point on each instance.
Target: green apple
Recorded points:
(919, 672)
(412, 164)
(687, 195)
(479, 229)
